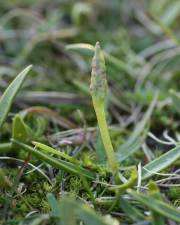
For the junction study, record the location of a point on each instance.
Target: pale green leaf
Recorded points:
(21, 131)
(10, 93)
(161, 162)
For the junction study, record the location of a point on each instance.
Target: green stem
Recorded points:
(101, 117)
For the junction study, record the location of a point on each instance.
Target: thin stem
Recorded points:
(101, 117)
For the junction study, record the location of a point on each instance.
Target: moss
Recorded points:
(174, 193)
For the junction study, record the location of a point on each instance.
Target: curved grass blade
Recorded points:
(161, 162)
(157, 205)
(131, 211)
(59, 164)
(130, 183)
(88, 50)
(129, 148)
(83, 48)
(10, 93)
(135, 141)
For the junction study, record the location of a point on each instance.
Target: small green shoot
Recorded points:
(98, 90)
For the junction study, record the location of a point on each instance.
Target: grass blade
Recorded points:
(59, 164)
(158, 206)
(161, 162)
(131, 211)
(129, 148)
(10, 93)
(135, 141)
(88, 50)
(54, 151)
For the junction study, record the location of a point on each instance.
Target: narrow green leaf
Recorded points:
(161, 162)
(131, 211)
(88, 50)
(129, 148)
(10, 93)
(57, 163)
(136, 139)
(82, 48)
(54, 151)
(156, 205)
